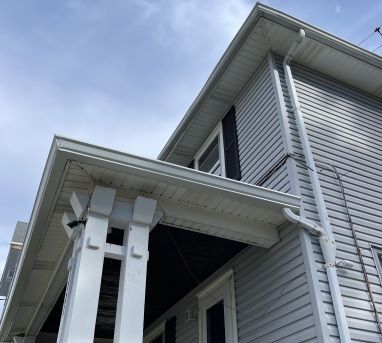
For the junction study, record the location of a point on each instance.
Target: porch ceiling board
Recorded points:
(190, 199)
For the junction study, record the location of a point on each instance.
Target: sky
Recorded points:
(119, 73)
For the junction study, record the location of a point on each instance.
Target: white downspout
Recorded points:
(326, 238)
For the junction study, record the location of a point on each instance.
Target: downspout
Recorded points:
(325, 234)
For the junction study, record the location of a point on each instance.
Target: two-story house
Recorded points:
(260, 221)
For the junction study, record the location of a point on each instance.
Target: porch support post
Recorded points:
(132, 282)
(81, 302)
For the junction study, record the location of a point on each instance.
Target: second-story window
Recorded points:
(219, 155)
(210, 157)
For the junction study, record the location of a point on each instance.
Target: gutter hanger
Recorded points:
(325, 234)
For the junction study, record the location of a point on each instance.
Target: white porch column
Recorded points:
(84, 288)
(132, 282)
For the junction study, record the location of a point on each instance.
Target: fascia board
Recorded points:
(174, 174)
(321, 36)
(45, 199)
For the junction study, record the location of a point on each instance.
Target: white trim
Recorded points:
(216, 132)
(375, 250)
(223, 288)
(154, 332)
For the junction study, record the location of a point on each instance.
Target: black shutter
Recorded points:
(170, 330)
(231, 150)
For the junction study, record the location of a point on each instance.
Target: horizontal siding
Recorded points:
(345, 129)
(259, 132)
(272, 294)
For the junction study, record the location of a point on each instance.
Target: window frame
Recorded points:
(377, 250)
(222, 288)
(216, 132)
(10, 271)
(157, 330)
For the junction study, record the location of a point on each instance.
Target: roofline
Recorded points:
(283, 19)
(65, 150)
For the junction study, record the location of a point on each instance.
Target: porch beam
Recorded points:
(218, 224)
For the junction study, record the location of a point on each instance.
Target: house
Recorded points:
(13, 257)
(282, 244)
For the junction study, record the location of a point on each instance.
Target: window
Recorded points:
(219, 155)
(217, 311)
(10, 273)
(210, 157)
(377, 253)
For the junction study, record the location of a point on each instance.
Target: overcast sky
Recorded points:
(119, 73)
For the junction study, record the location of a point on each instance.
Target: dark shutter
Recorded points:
(170, 330)
(191, 164)
(231, 150)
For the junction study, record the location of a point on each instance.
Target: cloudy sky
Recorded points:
(119, 73)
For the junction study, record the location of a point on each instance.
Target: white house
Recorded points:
(260, 221)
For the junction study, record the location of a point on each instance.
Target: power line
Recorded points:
(376, 30)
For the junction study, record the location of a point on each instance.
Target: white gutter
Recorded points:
(326, 238)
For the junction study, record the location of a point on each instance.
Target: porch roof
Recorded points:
(188, 198)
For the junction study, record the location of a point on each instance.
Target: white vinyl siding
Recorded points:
(345, 129)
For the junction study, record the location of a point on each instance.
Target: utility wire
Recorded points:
(364, 40)
(333, 168)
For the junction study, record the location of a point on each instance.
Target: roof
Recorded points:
(267, 29)
(190, 199)
(20, 232)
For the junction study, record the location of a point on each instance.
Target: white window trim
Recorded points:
(216, 132)
(223, 288)
(375, 249)
(154, 332)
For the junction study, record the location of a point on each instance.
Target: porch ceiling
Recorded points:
(189, 199)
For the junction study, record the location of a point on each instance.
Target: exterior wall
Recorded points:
(259, 132)
(345, 129)
(272, 293)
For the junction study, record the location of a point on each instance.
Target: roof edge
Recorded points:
(259, 11)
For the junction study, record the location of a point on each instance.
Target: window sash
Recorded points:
(216, 133)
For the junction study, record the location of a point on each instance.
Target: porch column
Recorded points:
(78, 323)
(132, 282)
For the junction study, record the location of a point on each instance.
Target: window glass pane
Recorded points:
(215, 323)
(210, 157)
(10, 273)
